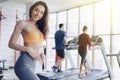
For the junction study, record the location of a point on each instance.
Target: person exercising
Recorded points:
(60, 42)
(83, 41)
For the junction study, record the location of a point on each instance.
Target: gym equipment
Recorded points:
(96, 40)
(3, 63)
(95, 73)
(117, 56)
(59, 76)
(1, 73)
(72, 73)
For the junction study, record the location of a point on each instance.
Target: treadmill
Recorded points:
(72, 73)
(117, 56)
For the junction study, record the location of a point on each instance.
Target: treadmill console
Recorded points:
(96, 40)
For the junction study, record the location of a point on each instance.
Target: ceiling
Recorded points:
(54, 5)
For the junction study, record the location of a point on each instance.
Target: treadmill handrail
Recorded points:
(118, 54)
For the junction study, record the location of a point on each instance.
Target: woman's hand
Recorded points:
(34, 54)
(42, 56)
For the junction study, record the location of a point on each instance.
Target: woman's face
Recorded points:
(38, 12)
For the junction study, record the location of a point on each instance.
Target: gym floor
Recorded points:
(10, 75)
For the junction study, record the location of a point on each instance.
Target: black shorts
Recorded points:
(61, 53)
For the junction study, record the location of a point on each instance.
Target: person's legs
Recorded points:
(82, 53)
(80, 73)
(85, 64)
(24, 67)
(86, 69)
(59, 63)
(60, 54)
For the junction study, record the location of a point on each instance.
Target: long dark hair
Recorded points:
(43, 22)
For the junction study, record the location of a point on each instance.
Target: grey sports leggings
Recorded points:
(25, 66)
(82, 53)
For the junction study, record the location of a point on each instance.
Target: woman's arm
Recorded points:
(14, 45)
(14, 37)
(90, 43)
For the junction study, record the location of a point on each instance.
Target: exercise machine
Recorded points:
(117, 56)
(72, 73)
(1, 73)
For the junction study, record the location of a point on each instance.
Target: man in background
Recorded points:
(60, 42)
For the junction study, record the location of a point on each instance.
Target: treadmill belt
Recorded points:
(54, 76)
(72, 74)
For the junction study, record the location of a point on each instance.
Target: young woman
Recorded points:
(34, 32)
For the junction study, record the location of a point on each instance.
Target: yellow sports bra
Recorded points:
(34, 36)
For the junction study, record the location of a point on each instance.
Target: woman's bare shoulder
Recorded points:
(22, 23)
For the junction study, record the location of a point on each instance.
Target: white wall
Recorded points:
(7, 26)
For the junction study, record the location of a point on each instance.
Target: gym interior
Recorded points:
(101, 17)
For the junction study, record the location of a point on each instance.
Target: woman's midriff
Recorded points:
(34, 45)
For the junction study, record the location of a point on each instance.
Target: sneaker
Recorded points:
(1, 77)
(81, 75)
(59, 71)
(54, 68)
(87, 72)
